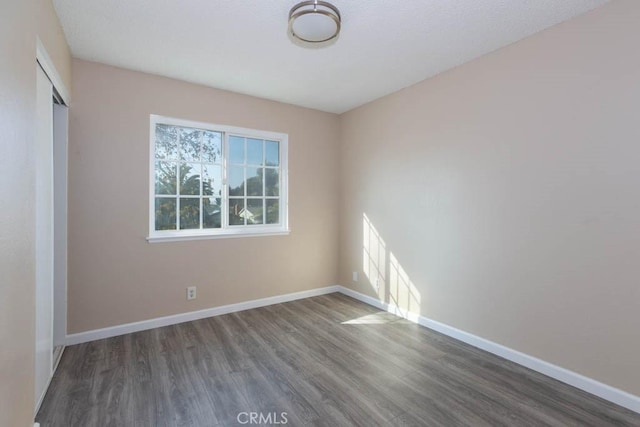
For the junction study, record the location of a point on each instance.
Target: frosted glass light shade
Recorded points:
(314, 21)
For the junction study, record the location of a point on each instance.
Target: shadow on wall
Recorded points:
(386, 275)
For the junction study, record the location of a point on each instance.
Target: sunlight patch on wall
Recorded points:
(402, 291)
(385, 273)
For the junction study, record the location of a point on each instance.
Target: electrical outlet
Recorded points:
(191, 293)
(354, 276)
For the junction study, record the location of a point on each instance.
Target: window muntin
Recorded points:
(254, 181)
(188, 178)
(210, 180)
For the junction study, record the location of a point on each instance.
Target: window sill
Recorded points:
(178, 237)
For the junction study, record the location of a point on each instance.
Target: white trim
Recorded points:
(566, 376)
(235, 130)
(60, 220)
(220, 235)
(44, 236)
(127, 328)
(50, 70)
(282, 228)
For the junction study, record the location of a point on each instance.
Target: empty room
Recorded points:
(320, 213)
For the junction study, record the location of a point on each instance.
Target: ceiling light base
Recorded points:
(314, 21)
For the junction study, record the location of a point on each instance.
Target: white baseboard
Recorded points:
(566, 376)
(127, 328)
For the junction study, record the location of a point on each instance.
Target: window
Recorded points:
(215, 181)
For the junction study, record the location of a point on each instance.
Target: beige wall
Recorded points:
(115, 276)
(52, 37)
(18, 31)
(17, 250)
(506, 196)
(500, 198)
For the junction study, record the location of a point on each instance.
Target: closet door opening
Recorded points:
(44, 235)
(51, 229)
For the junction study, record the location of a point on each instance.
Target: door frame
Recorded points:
(60, 173)
(59, 211)
(50, 70)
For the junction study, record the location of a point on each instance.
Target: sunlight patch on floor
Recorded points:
(374, 319)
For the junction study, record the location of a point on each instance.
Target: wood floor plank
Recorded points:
(324, 361)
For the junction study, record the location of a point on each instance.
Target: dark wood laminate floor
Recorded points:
(325, 361)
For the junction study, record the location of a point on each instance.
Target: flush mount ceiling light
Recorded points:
(314, 21)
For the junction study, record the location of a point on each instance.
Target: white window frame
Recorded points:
(225, 231)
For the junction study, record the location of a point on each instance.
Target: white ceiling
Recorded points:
(243, 45)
